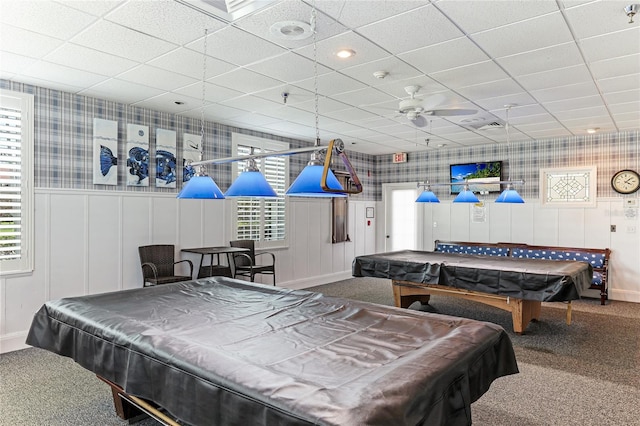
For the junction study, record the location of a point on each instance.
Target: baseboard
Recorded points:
(624, 295)
(317, 280)
(13, 342)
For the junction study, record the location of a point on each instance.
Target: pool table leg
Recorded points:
(404, 301)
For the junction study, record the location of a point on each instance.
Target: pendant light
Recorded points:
(251, 183)
(509, 195)
(427, 196)
(201, 186)
(307, 184)
(466, 196)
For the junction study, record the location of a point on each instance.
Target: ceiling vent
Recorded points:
(228, 10)
(493, 125)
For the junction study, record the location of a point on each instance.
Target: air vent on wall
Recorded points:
(228, 10)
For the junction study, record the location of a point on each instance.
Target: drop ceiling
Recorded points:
(565, 66)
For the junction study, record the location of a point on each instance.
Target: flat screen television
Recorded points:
(481, 171)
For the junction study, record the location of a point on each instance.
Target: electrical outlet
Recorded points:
(631, 229)
(613, 228)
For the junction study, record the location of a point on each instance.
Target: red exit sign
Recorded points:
(400, 157)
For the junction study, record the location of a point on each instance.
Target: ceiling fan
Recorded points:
(416, 110)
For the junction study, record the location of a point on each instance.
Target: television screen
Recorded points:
(482, 171)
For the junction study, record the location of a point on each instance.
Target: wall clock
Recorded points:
(625, 181)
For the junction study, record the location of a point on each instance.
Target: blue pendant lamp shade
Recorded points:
(251, 183)
(307, 184)
(427, 196)
(509, 195)
(201, 187)
(466, 196)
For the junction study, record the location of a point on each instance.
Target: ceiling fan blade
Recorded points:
(433, 101)
(420, 121)
(451, 112)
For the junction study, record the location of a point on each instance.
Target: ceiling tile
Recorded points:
(574, 103)
(396, 71)
(296, 96)
(596, 111)
(479, 16)
(156, 77)
(498, 103)
(13, 64)
(324, 105)
(468, 75)
(164, 19)
(47, 18)
(532, 34)
(555, 78)
(90, 60)
(610, 15)
(363, 12)
(560, 56)
(288, 67)
(93, 7)
(167, 102)
(65, 75)
(365, 96)
(621, 43)
(121, 91)
(237, 46)
(26, 43)
(252, 104)
(618, 84)
(349, 115)
(120, 41)
(579, 90)
(331, 84)
(249, 81)
(438, 57)
(191, 63)
(213, 93)
(491, 89)
(616, 67)
(624, 96)
(426, 26)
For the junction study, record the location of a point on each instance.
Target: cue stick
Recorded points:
(148, 409)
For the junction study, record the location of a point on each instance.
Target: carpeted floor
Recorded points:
(587, 373)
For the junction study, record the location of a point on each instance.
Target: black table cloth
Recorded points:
(220, 351)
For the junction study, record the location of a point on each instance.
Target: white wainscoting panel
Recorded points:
(68, 245)
(102, 248)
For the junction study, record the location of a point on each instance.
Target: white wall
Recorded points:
(533, 224)
(86, 242)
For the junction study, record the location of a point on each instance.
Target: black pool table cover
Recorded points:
(220, 351)
(528, 279)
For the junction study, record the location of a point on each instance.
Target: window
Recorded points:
(262, 220)
(16, 182)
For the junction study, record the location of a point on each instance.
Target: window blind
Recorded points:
(15, 188)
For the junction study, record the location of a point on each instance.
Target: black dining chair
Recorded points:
(245, 263)
(158, 265)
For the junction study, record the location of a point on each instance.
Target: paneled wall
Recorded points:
(86, 243)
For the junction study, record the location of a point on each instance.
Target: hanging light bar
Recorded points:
(201, 186)
(510, 195)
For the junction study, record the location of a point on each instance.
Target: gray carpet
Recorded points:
(587, 373)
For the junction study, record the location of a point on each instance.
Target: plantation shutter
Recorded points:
(15, 181)
(263, 220)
